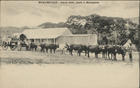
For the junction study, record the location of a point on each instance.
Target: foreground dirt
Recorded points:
(26, 69)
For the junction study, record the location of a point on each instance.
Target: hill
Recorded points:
(52, 25)
(9, 30)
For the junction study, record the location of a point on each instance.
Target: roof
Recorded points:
(46, 33)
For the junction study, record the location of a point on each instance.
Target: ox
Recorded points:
(51, 47)
(76, 47)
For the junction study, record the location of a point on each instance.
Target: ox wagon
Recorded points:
(13, 43)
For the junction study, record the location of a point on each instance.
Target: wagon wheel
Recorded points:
(13, 47)
(5, 47)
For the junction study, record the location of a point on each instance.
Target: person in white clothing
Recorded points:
(130, 52)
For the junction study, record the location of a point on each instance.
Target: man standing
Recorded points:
(130, 51)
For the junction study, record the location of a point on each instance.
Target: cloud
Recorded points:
(121, 10)
(31, 13)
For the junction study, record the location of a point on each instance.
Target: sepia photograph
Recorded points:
(69, 44)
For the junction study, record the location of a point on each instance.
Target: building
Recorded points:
(48, 35)
(59, 36)
(85, 39)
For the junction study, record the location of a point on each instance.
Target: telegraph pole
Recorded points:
(115, 37)
(115, 33)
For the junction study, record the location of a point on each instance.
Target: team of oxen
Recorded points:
(108, 51)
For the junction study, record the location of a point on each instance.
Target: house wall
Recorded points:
(85, 40)
(71, 39)
(39, 41)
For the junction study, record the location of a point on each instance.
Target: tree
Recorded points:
(115, 30)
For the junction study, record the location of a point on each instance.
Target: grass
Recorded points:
(28, 57)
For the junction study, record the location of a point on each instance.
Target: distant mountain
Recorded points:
(9, 30)
(52, 25)
(134, 19)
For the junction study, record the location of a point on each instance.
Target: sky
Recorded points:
(32, 13)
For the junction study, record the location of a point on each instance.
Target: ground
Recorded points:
(27, 69)
(32, 57)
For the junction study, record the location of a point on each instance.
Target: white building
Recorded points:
(59, 36)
